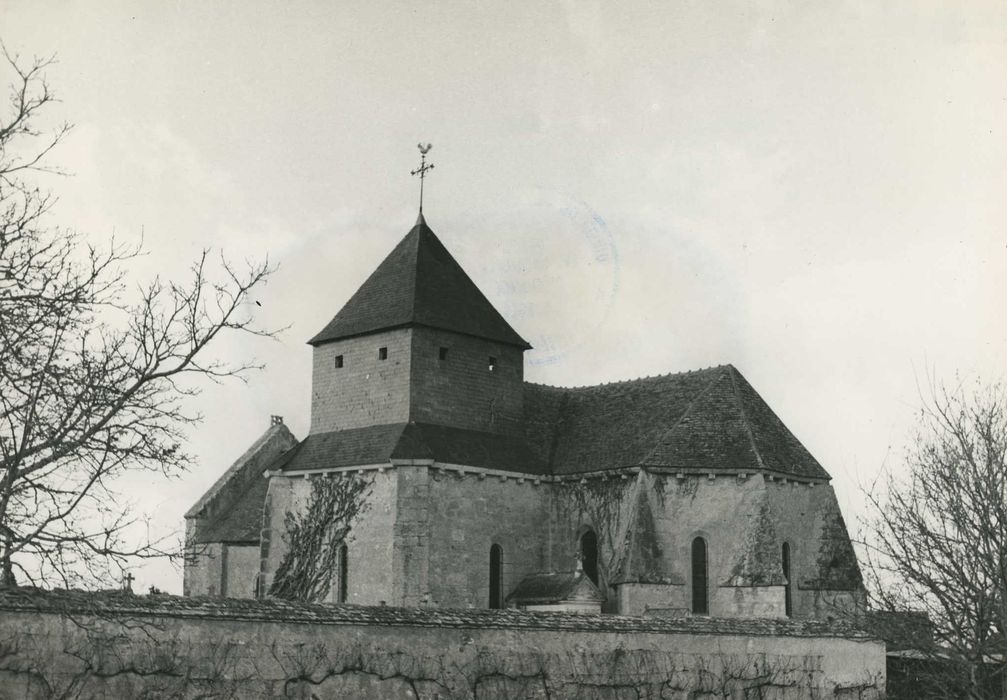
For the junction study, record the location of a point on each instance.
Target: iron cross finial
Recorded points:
(422, 170)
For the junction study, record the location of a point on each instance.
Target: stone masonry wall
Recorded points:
(469, 514)
(460, 390)
(242, 570)
(411, 536)
(365, 390)
(743, 520)
(370, 543)
(798, 512)
(425, 534)
(53, 645)
(202, 569)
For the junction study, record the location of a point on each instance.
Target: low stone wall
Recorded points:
(77, 645)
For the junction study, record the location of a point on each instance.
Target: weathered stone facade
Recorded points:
(418, 388)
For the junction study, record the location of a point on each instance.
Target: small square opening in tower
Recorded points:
(492, 364)
(382, 353)
(339, 361)
(443, 354)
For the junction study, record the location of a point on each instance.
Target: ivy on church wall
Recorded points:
(759, 562)
(605, 505)
(313, 536)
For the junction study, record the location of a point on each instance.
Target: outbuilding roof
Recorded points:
(419, 284)
(549, 588)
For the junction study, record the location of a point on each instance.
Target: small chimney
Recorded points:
(276, 420)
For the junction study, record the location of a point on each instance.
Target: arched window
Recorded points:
(589, 555)
(700, 591)
(496, 577)
(788, 601)
(344, 573)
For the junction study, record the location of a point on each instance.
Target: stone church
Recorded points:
(669, 496)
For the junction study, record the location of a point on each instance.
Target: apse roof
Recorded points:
(419, 284)
(709, 420)
(706, 420)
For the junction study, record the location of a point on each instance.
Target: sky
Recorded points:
(813, 192)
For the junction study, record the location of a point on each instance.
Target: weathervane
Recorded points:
(422, 170)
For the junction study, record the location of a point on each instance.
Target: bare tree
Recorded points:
(92, 384)
(937, 542)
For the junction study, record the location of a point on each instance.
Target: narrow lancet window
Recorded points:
(700, 587)
(496, 577)
(344, 573)
(788, 600)
(589, 555)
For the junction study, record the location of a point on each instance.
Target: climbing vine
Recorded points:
(314, 535)
(601, 503)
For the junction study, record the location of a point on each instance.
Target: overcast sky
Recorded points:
(814, 192)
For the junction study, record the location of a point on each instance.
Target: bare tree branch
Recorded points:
(936, 540)
(93, 383)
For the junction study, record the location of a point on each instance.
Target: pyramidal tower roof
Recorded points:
(419, 284)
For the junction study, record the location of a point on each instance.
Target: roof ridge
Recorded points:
(236, 466)
(686, 412)
(420, 224)
(622, 382)
(744, 418)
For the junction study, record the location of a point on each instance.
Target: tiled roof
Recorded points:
(231, 510)
(345, 448)
(419, 283)
(242, 523)
(111, 603)
(475, 449)
(380, 444)
(555, 587)
(707, 420)
(901, 630)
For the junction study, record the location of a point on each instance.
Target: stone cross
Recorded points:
(127, 582)
(422, 170)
